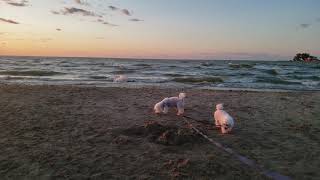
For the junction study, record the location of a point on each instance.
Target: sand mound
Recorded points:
(166, 135)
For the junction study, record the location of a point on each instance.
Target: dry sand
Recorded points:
(49, 132)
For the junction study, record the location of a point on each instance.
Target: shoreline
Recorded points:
(162, 86)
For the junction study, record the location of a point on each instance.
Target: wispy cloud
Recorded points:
(55, 12)
(74, 10)
(126, 12)
(21, 3)
(81, 2)
(305, 25)
(105, 22)
(135, 20)
(308, 25)
(113, 8)
(80, 11)
(58, 29)
(8, 21)
(123, 11)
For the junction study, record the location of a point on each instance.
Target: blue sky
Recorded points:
(186, 29)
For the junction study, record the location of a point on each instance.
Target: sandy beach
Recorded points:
(111, 133)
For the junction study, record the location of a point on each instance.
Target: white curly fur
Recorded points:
(223, 119)
(164, 105)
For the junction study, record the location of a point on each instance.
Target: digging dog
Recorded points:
(164, 105)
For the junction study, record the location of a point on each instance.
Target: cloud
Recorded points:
(81, 2)
(123, 11)
(113, 8)
(305, 25)
(21, 3)
(78, 1)
(55, 12)
(58, 29)
(126, 12)
(105, 22)
(73, 10)
(8, 21)
(109, 24)
(308, 25)
(135, 20)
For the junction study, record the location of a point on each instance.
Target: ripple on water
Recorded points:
(30, 73)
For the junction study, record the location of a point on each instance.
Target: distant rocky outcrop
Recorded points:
(305, 57)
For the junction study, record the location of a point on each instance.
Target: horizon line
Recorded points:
(133, 58)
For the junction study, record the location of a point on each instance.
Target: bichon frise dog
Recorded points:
(120, 78)
(223, 120)
(166, 103)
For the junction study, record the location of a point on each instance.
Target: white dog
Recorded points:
(166, 103)
(120, 78)
(223, 119)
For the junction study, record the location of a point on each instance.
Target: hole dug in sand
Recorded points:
(166, 135)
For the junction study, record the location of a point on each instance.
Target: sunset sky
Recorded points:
(179, 29)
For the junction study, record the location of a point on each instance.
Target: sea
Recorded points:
(203, 74)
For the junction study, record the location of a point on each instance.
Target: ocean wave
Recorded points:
(68, 65)
(174, 75)
(98, 77)
(11, 78)
(124, 71)
(274, 80)
(305, 77)
(244, 74)
(198, 80)
(207, 64)
(172, 66)
(30, 73)
(238, 66)
(316, 67)
(299, 72)
(311, 83)
(271, 71)
(143, 65)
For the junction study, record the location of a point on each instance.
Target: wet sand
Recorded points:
(111, 133)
